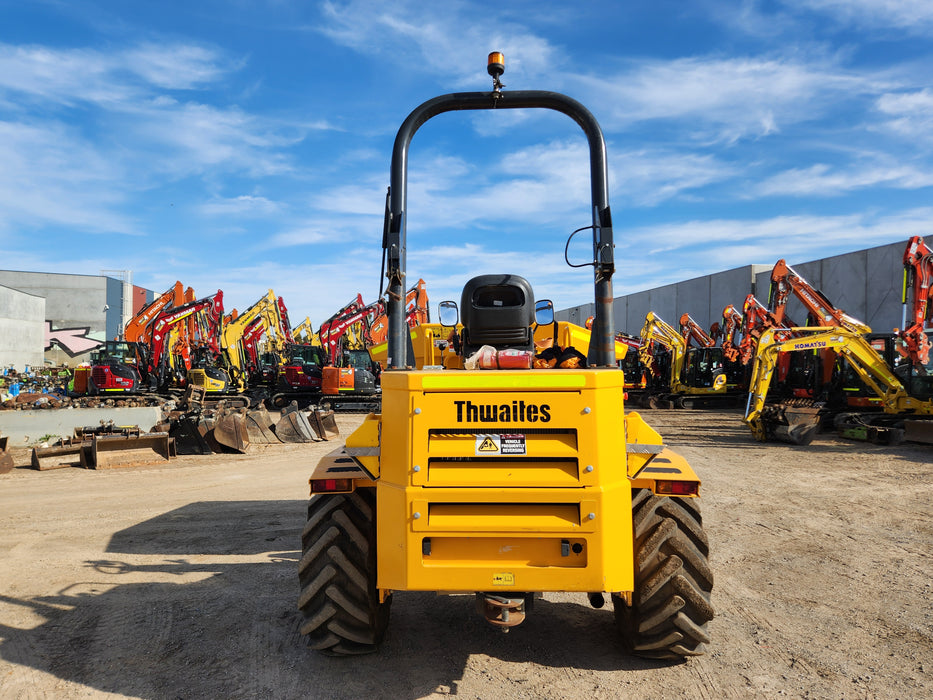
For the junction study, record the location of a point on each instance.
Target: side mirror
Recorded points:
(448, 313)
(544, 312)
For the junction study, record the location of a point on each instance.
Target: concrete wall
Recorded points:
(865, 284)
(81, 311)
(24, 428)
(22, 329)
(703, 298)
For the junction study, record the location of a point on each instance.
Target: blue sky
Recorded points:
(245, 145)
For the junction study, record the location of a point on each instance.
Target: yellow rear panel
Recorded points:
(504, 480)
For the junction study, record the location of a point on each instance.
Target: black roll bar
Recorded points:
(602, 341)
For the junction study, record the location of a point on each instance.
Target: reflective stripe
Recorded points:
(499, 381)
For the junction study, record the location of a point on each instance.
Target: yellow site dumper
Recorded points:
(509, 479)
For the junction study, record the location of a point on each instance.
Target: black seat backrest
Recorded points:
(497, 310)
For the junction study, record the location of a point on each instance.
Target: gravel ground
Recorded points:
(180, 581)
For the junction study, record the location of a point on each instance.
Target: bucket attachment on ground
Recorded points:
(230, 429)
(69, 454)
(293, 426)
(189, 437)
(914, 430)
(6, 459)
(324, 423)
(800, 425)
(259, 426)
(113, 451)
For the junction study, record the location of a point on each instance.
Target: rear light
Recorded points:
(677, 488)
(331, 485)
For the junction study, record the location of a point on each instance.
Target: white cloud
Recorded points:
(910, 114)
(910, 15)
(51, 177)
(441, 39)
(244, 205)
(826, 180)
(727, 98)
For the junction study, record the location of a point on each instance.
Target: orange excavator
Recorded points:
(918, 274)
(732, 322)
(811, 374)
(416, 313)
(209, 312)
(137, 328)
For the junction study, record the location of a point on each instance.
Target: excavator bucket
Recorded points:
(259, 427)
(68, 454)
(801, 425)
(6, 459)
(113, 451)
(230, 429)
(324, 423)
(293, 426)
(189, 438)
(914, 430)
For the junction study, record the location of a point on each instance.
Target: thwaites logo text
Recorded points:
(517, 411)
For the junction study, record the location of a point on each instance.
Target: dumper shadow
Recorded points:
(167, 614)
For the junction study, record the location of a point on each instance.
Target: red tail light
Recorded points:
(677, 488)
(331, 485)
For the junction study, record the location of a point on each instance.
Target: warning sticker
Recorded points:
(512, 444)
(494, 444)
(487, 444)
(503, 579)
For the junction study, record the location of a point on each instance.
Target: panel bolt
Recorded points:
(589, 468)
(416, 468)
(418, 515)
(591, 516)
(417, 411)
(587, 410)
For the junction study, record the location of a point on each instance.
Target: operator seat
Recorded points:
(497, 310)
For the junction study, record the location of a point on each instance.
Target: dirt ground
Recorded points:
(180, 581)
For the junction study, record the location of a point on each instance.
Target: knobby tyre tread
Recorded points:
(337, 572)
(673, 581)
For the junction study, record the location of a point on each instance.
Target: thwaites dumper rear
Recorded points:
(505, 483)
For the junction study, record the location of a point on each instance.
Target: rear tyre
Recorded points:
(673, 582)
(337, 572)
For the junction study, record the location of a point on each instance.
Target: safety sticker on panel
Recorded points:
(490, 445)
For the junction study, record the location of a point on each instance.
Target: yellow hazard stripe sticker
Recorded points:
(513, 381)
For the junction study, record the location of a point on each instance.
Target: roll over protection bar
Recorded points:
(602, 345)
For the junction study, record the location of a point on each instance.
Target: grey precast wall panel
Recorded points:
(619, 311)
(114, 308)
(693, 297)
(636, 308)
(884, 287)
(730, 287)
(71, 300)
(22, 329)
(576, 314)
(843, 282)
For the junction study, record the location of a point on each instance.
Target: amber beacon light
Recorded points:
(495, 64)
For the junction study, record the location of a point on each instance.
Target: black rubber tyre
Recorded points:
(337, 572)
(671, 602)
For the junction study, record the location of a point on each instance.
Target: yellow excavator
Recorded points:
(783, 422)
(230, 376)
(504, 483)
(682, 376)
